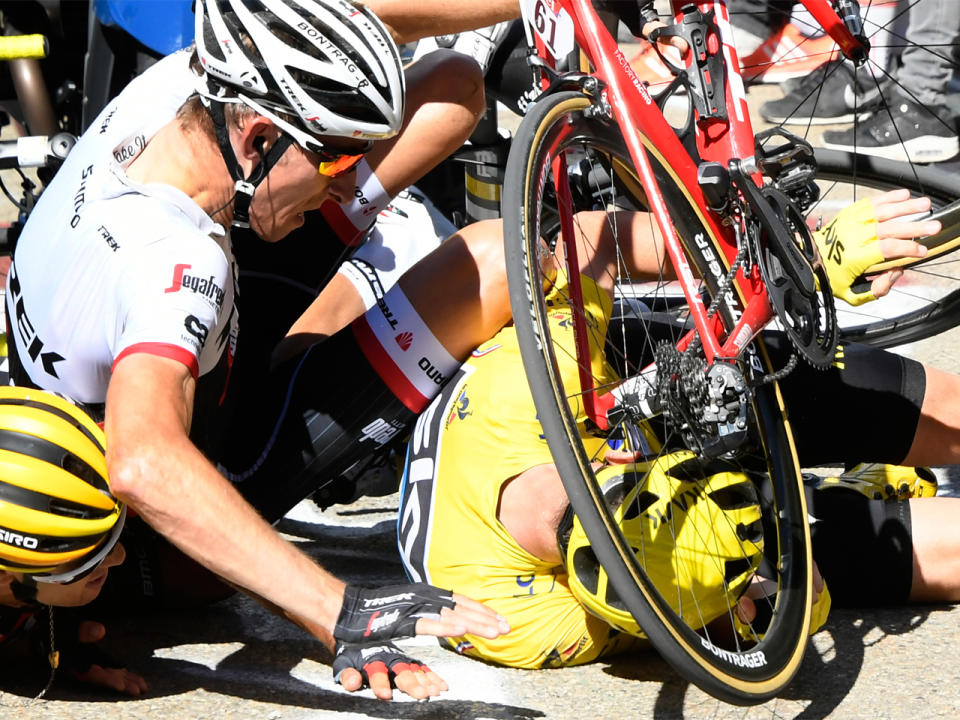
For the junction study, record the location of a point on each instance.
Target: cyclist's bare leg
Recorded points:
(443, 103)
(460, 289)
(936, 549)
(937, 437)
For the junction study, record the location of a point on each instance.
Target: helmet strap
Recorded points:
(243, 187)
(25, 591)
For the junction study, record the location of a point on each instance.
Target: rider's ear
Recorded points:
(258, 135)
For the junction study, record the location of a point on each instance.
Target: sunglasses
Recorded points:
(334, 164)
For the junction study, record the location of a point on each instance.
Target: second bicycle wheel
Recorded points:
(926, 299)
(570, 170)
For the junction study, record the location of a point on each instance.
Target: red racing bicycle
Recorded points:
(681, 367)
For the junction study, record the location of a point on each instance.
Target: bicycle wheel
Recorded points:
(892, 106)
(926, 300)
(558, 139)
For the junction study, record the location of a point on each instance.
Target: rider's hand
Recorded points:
(764, 592)
(868, 232)
(377, 664)
(379, 613)
(674, 44)
(90, 665)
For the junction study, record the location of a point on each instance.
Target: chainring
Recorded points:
(797, 284)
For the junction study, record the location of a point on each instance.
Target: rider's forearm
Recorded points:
(219, 529)
(155, 468)
(409, 21)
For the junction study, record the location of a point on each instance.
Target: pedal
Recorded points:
(791, 165)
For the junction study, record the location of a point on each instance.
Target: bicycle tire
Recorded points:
(926, 301)
(557, 127)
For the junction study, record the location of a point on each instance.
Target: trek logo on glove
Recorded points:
(380, 602)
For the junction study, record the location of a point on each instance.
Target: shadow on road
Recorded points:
(249, 654)
(830, 669)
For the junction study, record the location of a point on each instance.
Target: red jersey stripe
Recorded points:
(174, 352)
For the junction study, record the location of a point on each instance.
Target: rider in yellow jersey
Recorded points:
(488, 426)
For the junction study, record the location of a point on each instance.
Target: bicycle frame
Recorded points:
(645, 130)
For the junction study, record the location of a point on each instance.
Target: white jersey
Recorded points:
(107, 267)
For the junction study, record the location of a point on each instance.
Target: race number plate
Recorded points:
(552, 24)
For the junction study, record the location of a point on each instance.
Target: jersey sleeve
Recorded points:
(170, 301)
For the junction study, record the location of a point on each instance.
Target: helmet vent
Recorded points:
(52, 453)
(736, 569)
(613, 600)
(751, 533)
(735, 497)
(587, 568)
(640, 504)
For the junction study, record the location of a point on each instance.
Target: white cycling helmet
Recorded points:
(329, 62)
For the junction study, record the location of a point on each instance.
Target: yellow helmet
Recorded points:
(58, 519)
(697, 533)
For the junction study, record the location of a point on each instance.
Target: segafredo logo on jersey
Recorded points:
(207, 287)
(17, 540)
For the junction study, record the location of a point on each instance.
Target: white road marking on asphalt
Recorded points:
(207, 654)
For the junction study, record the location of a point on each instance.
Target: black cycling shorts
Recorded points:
(863, 409)
(863, 547)
(308, 421)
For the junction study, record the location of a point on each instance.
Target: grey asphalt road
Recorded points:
(235, 660)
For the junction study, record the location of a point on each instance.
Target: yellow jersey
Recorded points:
(479, 433)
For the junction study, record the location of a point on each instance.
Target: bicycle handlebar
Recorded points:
(35, 151)
(15, 47)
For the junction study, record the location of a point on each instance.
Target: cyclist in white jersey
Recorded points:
(121, 290)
